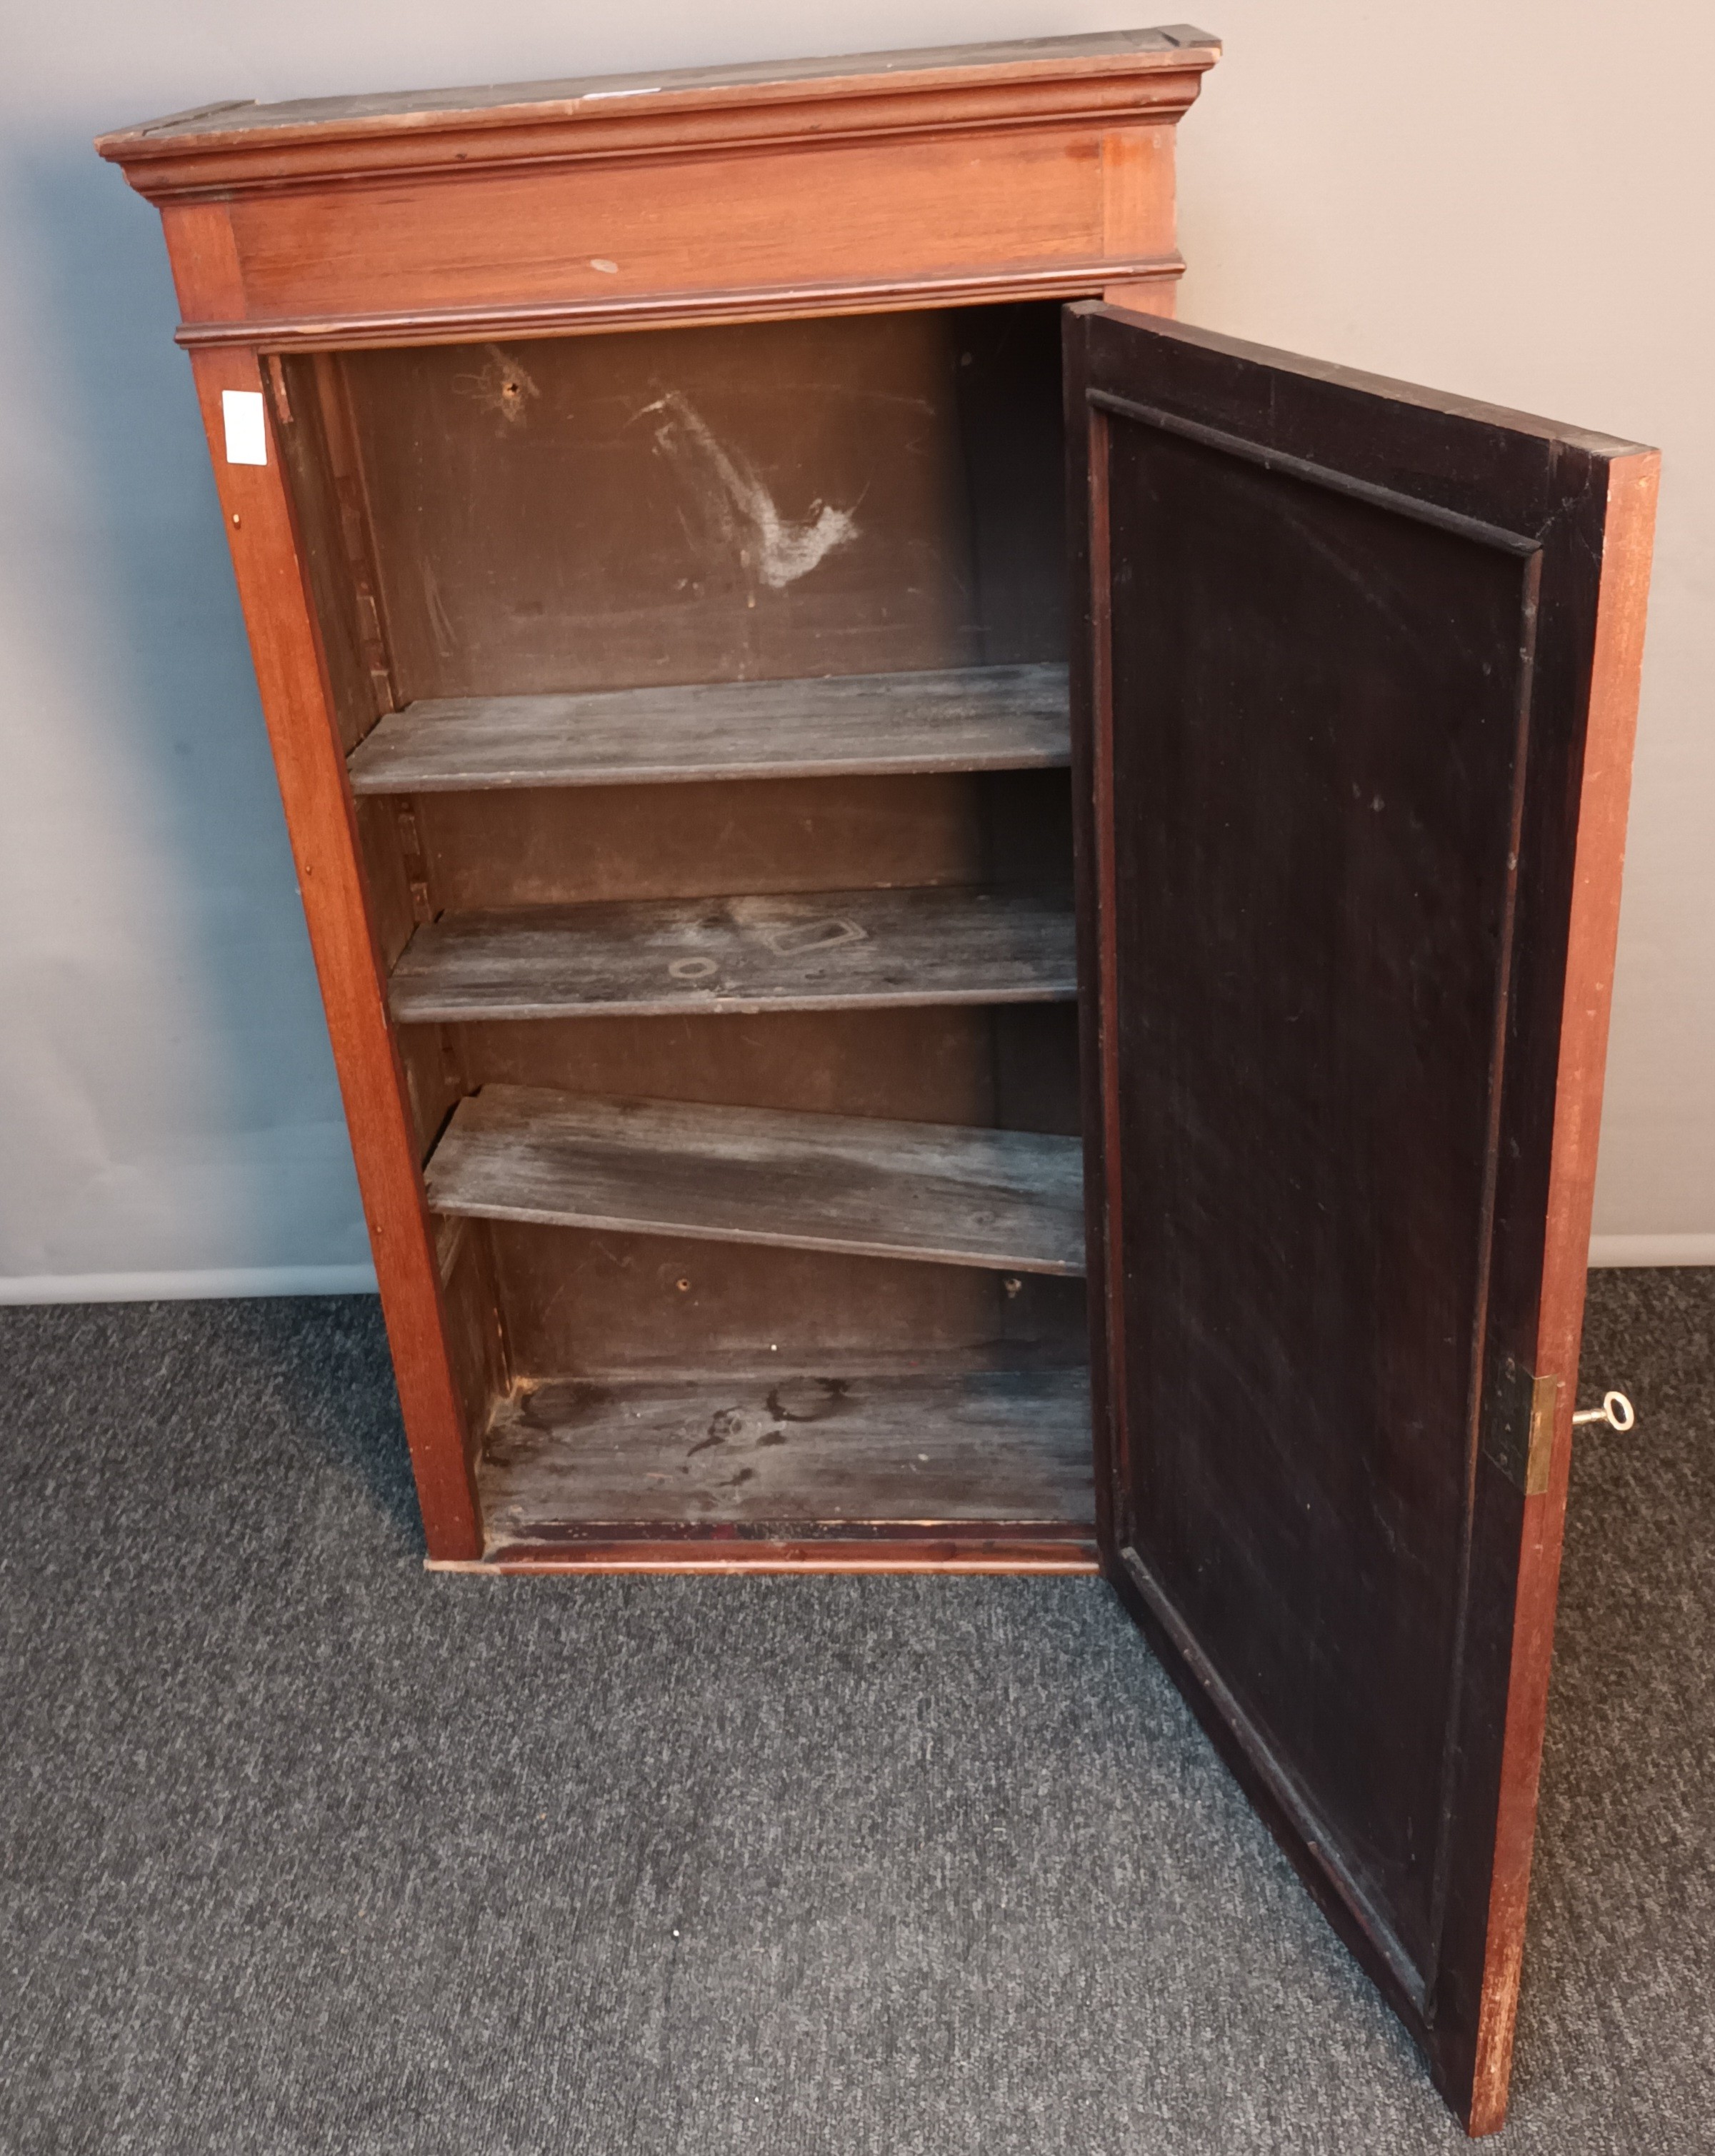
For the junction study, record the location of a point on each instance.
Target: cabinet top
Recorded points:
(229, 141)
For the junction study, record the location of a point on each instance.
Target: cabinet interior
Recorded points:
(704, 698)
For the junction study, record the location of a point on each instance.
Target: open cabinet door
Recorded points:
(1354, 698)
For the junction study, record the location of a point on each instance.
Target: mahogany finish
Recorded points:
(657, 199)
(400, 240)
(653, 589)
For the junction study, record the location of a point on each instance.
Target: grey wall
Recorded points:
(1506, 200)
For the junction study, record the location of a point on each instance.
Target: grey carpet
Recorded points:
(306, 1850)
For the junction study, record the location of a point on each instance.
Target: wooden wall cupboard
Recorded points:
(960, 932)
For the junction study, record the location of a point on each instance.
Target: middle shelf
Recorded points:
(1007, 1199)
(824, 950)
(974, 718)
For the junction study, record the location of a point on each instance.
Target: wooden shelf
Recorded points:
(982, 718)
(1011, 1200)
(824, 950)
(774, 1448)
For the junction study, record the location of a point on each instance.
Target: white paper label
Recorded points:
(246, 432)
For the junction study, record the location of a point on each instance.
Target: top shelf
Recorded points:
(976, 718)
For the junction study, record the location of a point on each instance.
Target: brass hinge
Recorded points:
(1518, 1425)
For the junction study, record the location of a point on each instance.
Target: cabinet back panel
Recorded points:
(867, 494)
(1013, 1067)
(581, 1301)
(563, 846)
(621, 841)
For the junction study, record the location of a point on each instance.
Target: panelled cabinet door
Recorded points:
(1353, 697)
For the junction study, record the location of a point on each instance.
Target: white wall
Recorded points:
(1506, 200)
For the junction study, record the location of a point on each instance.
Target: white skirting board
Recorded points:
(1652, 1249)
(190, 1286)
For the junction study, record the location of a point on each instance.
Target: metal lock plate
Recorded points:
(1518, 1425)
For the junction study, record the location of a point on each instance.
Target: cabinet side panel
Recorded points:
(302, 723)
(204, 250)
(322, 449)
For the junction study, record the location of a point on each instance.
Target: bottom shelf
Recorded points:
(973, 1461)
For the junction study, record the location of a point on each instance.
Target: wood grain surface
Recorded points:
(999, 718)
(828, 951)
(782, 1447)
(1007, 1199)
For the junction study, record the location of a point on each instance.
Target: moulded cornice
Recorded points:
(228, 150)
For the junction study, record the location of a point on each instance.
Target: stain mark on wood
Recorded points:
(503, 385)
(777, 549)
